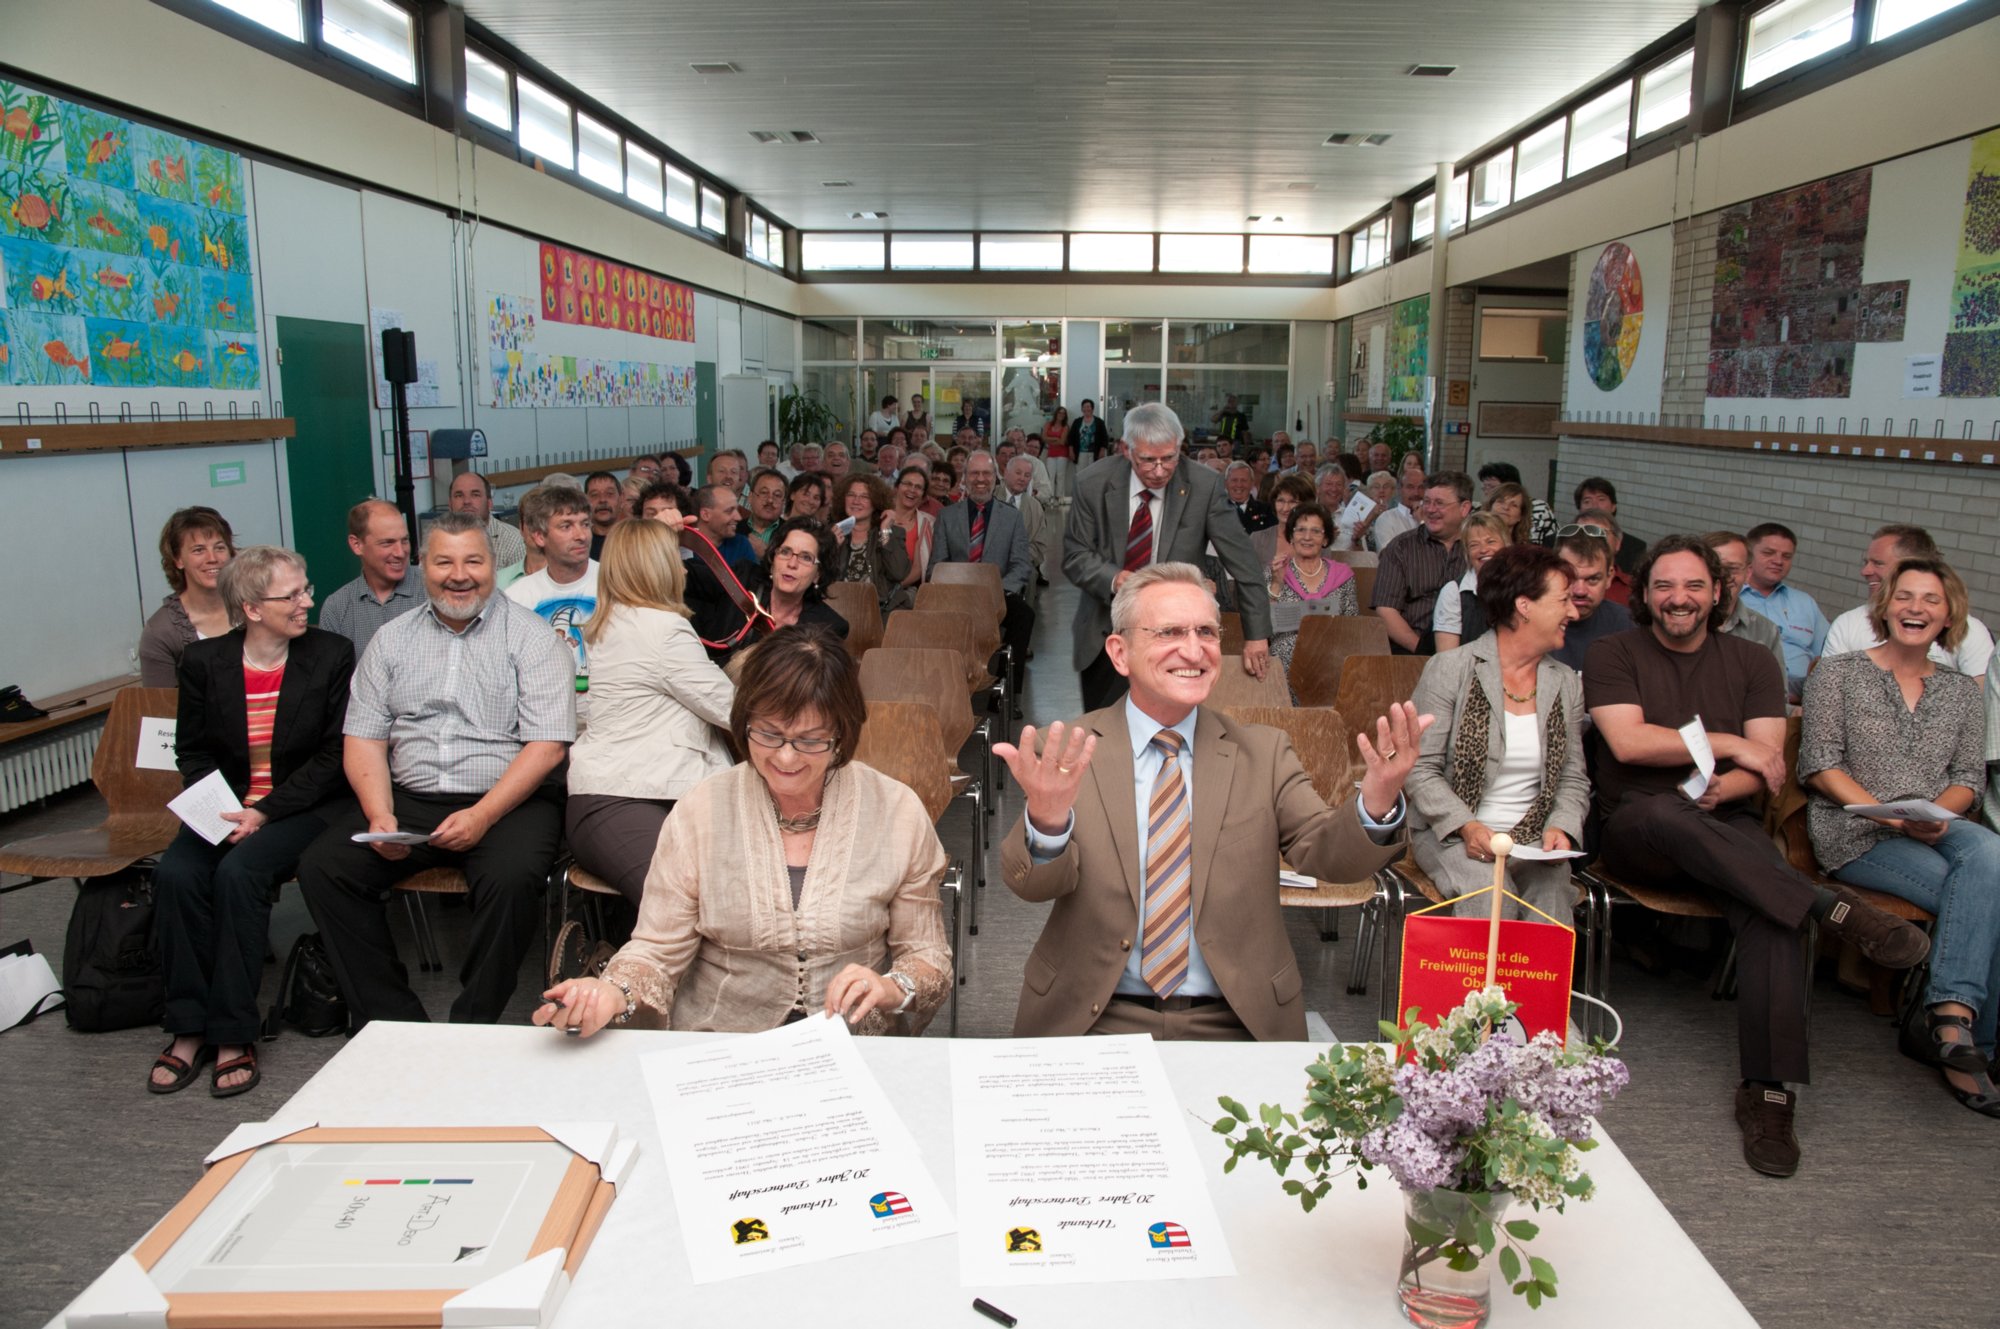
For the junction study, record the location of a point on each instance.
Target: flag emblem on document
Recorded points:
(1023, 1241)
(1164, 1236)
(747, 1230)
(888, 1205)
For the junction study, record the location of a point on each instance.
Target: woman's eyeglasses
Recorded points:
(805, 747)
(304, 592)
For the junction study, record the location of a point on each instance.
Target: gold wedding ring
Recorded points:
(1390, 755)
(1062, 770)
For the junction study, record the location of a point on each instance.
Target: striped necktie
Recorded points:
(1168, 897)
(978, 545)
(1139, 541)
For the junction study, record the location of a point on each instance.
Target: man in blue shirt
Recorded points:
(716, 516)
(1800, 623)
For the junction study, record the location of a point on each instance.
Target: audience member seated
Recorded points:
(767, 457)
(1305, 460)
(842, 857)
(1459, 615)
(1419, 563)
(1308, 577)
(805, 497)
(943, 487)
(1509, 502)
(765, 508)
(730, 469)
(980, 530)
(919, 527)
(1198, 950)
(1852, 631)
(1269, 546)
(1381, 457)
(1506, 753)
(871, 549)
(262, 704)
(1801, 625)
(195, 545)
(608, 507)
(666, 502)
(563, 594)
(813, 459)
(1590, 570)
(1542, 518)
(1255, 514)
(1597, 494)
(1595, 521)
(717, 515)
(1734, 552)
(1642, 687)
(1891, 723)
(645, 469)
(388, 586)
(460, 718)
(1405, 516)
(658, 709)
(839, 464)
(1018, 477)
(472, 492)
(531, 560)
(787, 583)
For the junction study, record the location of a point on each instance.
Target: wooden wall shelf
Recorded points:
(113, 435)
(1851, 447)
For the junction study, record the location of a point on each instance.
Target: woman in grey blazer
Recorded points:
(1506, 753)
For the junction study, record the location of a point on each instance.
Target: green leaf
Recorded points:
(1230, 1165)
(1223, 1127)
(1534, 1295)
(1462, 1260)
(1510, 1264)
(1234, 1108)
(1543, 1271)
(1522, 1230)
(1271, 1115)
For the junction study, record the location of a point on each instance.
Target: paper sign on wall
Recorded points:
(156, 744)
(1920, 375)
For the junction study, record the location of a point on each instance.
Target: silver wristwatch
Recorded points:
(908, 986)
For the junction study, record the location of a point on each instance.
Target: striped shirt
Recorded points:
(260, 700)
(355, 613)
(1413, 568)
(456, 707)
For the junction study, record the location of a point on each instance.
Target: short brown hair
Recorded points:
(545, 502)
(1956, 602)
(1518, 570)
(186, 522)
(1911, 541)
(1297, 486)
(804, 667)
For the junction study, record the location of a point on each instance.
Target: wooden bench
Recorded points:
(46, 756)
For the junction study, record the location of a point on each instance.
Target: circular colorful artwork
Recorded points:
(1613, 311)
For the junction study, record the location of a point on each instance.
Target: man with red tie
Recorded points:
(1146, 507)
(1156, 825)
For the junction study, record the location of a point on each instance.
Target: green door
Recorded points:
(324, 370)
(707, 427)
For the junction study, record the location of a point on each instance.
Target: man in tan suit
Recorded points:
(1161, 852)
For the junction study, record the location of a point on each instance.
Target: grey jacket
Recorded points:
(1006, 542)
(1441, 691)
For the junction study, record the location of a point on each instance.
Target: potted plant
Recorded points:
(1403, 433)
(1468, 1122)
(804, 418)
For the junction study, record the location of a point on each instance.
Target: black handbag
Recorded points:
(112, 976)
(309, 997)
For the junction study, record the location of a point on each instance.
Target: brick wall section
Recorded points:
(1833, 503)
(1686, 388)
(1457, 365)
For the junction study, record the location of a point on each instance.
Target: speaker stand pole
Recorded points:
(406, 487)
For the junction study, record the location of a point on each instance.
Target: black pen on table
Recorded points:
(993, 1313)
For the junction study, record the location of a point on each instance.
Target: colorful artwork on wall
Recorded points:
(1972, 343)
(520, 375)
(1614, 310)
(1409, 349)
(594, 293)
(125, 253)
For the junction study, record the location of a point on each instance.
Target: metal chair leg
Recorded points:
(429, 961)
(977, 793)
(1392, 933)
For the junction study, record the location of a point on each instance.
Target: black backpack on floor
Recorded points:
(308, 995)
(112, 978)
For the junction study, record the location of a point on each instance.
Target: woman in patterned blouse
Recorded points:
(1891, 724)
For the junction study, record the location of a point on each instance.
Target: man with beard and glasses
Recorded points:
(459, 719)
(1664, 829)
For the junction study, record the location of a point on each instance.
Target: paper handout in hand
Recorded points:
(1903, 809)
(1696, 737)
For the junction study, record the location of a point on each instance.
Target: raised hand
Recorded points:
(1391, 756)
(1051, 777)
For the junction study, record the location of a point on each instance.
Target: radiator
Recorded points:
(48, 763)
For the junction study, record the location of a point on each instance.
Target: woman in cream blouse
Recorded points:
(794, 882)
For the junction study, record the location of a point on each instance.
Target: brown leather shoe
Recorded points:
(1883, 938)
(1765, 1115)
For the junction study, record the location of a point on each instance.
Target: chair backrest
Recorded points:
(973, 574)
(972, 601)
(130, 790)
(855, 601)
(1232, 634)
(1354, 558)
(902, 740)
(1364, 588)
(938, 629)
(1369, 683)
(1792, 798)
(1320, 735)
(930, 677)
(1323, 646)
(1234, 688)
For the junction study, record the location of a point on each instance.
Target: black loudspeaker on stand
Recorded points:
(399, 367)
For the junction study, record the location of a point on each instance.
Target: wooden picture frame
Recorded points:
(581, 1198)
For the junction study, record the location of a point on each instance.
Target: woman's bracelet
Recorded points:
(631, 1002)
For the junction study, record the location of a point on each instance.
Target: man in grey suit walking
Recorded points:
(1151, 507)
(984, 530)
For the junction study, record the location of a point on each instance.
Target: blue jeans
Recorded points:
(1958, 879)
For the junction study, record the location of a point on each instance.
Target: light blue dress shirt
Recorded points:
(1146, 764)
(1801, 627)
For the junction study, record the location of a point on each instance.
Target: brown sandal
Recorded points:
(247, 1061)
(183, 1071)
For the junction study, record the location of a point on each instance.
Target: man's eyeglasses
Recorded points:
(1205, 633)
(1157, 463)
(304, 592)
(805, 747)
(1582, 528)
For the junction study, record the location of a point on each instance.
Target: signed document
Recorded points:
(1075, 1166)
(783, 1150)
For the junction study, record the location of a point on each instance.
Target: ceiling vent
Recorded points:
(764, 135)
(801, 136)
(868, 216)
(1301, 187)
(1351, 140)
(836, 184)
(789, 136)
(713, 67)
(1433, 71)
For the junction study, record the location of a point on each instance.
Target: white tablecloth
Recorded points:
(1621, 1258)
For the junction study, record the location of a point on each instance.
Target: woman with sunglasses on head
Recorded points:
(795, 882)
(1888, 725)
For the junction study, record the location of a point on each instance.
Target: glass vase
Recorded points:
(1429, 1291)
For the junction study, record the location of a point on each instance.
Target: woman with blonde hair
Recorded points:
(658, 708)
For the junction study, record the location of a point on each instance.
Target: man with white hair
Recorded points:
(1020, 494)
(1149, 506)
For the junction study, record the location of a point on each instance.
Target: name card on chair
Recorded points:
(156, 743)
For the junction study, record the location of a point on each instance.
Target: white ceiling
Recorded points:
(1081, 115)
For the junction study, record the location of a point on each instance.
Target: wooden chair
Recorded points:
(951, 630)
(1234, 688)
(1320, 736)
(973, 574)
(1354, 558)
(137, 824)
(1368, 683)
(976, 603)
(413, 888)
(855, 601)
(1323, 645)
(1232, 635)
(1364, 589)
(902, 740)
(582, 937)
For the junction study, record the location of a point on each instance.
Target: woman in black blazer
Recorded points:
(264, 705)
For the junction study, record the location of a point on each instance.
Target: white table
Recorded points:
(1621, 1258)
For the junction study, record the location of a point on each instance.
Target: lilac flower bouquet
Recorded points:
(1471, 1116)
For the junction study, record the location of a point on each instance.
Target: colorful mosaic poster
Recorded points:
(1614, 310)
(1972, 342)
(595, 293)
(124, 253)
(520, 375)
(1409, 349)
